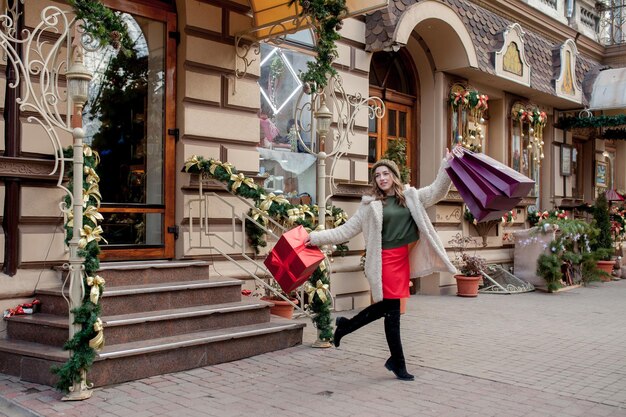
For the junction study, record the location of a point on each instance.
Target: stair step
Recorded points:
(53, 329)
(134, 360)
(152, 272)
(151, 297)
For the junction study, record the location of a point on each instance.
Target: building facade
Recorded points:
(198, 83)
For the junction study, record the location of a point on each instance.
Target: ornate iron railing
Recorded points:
(202, 235)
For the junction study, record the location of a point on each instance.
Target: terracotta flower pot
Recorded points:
(606, 266)
(467, 286)
(281, 307)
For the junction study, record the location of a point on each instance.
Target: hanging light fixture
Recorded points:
(323, 118)
(78, 78)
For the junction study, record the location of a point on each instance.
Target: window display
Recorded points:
(287, 167)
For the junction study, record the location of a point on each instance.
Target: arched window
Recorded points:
(526, 143)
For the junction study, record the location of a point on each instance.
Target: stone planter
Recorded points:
(529, 245)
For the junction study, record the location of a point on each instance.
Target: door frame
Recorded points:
(165, 13)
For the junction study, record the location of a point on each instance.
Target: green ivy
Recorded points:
(326, 18)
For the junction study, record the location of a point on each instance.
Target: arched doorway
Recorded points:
(392, 78)
(130, 121)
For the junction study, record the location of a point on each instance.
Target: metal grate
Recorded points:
(500, 281)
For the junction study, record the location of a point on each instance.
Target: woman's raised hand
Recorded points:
(457, 151)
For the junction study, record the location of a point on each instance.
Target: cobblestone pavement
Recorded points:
(532, 354)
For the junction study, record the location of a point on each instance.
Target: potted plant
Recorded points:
(282, 303)
(470, 266)
(602, 245)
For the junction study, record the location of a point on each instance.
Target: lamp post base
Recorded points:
(78, 395)
(319, 343)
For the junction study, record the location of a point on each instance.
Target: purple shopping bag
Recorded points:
(507, 180)
(487, 195)
(480, 213)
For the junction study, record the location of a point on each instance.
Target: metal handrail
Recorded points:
(240, 245)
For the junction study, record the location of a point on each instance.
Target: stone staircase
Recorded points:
(159, 317)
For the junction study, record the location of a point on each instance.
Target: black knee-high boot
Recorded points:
(395, 363)
(371, 313)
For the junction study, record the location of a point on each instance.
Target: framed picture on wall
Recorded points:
(566, 160)
(601, 180)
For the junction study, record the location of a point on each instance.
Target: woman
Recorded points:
(401, 243)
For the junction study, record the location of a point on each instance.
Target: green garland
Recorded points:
(566, 123)
(102, 23)
(278, 208)
(614, 134)
(90, 338)
(468, 99)
(326, 18)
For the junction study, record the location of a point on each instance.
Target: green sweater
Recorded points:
(399, 228)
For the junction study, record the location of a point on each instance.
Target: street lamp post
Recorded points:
(323, 118)
(78, 78)
(38, 63)
(345, 108)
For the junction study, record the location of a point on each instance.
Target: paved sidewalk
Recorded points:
(531, 354)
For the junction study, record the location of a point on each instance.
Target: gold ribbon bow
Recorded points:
(340, 218)
(94, 283)
(191, 162)
(228, 167)
(241, 179)
(306, 211)
(92, 176)
(256, 213)
(88, 234)
(270, 199)
(92, 214)
(294, 214)
(97, 342)
(92, 191)
(87, 151)
(320, 289)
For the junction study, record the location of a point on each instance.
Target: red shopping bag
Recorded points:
(291, 262)
(502, 177)
(479, 212)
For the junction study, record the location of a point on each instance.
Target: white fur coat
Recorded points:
(426, 257)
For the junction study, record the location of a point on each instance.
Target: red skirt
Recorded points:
(396, 272)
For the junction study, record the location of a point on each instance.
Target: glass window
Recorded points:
(287, 166)
(469, 120)
(124, 122)
(521, 156)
